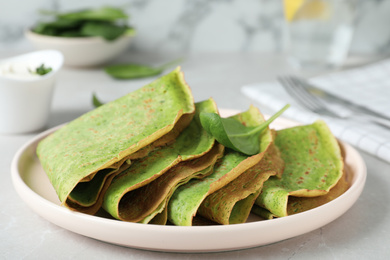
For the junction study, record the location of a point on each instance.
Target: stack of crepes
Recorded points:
(146, 158)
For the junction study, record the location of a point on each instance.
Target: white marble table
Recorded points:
(362, 232)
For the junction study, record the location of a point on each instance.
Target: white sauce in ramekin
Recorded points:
(18, 70)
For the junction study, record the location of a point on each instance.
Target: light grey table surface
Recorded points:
(362, 232)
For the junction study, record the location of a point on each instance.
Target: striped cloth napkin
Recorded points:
(368, 86)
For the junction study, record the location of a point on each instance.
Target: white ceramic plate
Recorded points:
(34, 188)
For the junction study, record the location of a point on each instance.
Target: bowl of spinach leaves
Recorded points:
(87, 37)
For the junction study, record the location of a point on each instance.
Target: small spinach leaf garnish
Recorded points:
(95, 101)
(234, 135)
(41, 70)
(134, 71)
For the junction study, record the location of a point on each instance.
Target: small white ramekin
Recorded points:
(25, 102)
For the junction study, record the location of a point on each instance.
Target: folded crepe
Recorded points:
(82, 157)
(300, 204)
(186, 200)
(141, 192)
(313, 166)
(148, 204)
(232, 203)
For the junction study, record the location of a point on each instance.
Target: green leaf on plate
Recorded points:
(234, 135)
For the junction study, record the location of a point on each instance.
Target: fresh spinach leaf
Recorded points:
(134, 71)
(106, 22)
(108, 31)
(95, 101)
(57, 25)
(107, 13)
(234, 135)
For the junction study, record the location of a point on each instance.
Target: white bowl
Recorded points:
(81, 51)
(25, 101)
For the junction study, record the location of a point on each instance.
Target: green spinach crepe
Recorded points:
(148, 204)
(141, 192)
(186, 200)
(313, 166)
(82, 157)
(232, 203)
(300, 204)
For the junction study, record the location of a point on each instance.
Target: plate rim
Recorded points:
(176, 242)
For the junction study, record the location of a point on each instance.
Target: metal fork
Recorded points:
(306, 99)
(302, 95)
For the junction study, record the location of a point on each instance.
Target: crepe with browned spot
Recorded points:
(300, 204)
(82, 157)
(313, 166)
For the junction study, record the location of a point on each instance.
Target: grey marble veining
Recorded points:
(189, 26)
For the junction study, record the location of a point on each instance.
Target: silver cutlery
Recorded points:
(318, 101)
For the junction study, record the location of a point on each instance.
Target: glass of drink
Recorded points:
(319, 32)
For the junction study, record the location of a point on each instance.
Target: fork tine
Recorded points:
(315, 102)
(285, 82)
(318, 104)
(289, 86)
(309, 100)
(296, 88)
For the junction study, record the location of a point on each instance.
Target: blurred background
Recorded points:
(187, 26)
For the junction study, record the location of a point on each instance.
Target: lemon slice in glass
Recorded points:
(305, 9)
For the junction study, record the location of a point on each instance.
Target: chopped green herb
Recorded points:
(234, 135)
(41, 70)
